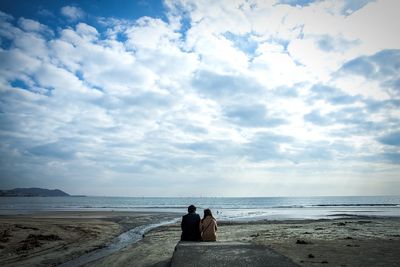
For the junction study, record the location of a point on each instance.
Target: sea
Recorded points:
(223, 208)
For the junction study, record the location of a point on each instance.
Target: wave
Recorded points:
(144, 207)
(289, 207)
(234, 207)
(337, 205)
(357, 205)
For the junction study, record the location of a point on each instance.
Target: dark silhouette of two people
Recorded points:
(196, 229)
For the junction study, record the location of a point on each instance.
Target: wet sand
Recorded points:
(54, 238)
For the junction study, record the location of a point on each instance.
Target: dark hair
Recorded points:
(191, 209)
(207, 212)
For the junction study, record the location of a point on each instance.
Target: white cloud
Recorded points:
(33, 26)
(73, 13)
(150, 33)
(250, 92)
(86, 31)
(369, 88)
(275, 67)
(367, 38)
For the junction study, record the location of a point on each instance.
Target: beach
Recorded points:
(53, 238)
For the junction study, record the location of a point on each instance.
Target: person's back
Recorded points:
(191, 225)
(208, 227)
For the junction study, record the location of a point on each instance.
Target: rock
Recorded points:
(4, 236)
(223, 254)
(302, 242)
(5, 233)
(32, 241)
(4, 239)
(26, 227)
(28, 244)
(363, 222)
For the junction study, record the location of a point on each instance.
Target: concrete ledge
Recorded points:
(193, 254)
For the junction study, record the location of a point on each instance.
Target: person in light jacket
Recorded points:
(208, 226)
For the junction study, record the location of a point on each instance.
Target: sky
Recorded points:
(201, 98)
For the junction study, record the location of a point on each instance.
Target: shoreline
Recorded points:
(58, 237)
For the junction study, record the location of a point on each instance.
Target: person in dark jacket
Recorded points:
(190, 225)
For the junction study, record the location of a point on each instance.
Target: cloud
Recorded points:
(375, 106)
(392, 139)
(33, 26)
(392, 157)
(296, 2)
(318, 119)
(345, 116)
(238, 92)
(73, 13)
(244, 43)
(149, 33)
(224, 85)
(330, 44)
(45, 13)
(382, 65)
(318, 151)
(266, 146)
(332, 95)
(252, 116)
(59, 149)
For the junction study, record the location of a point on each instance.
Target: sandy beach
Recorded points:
(50, 239)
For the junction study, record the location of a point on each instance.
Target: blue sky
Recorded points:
(201, 98)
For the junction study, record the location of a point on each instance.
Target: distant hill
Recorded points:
(33, 192)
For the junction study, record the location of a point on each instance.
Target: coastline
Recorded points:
(351, 241)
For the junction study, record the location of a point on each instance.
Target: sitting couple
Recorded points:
(194, 229)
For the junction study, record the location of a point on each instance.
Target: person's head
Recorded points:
(191, 209)
(207, 212)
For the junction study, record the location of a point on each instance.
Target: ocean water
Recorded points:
(224, 208)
